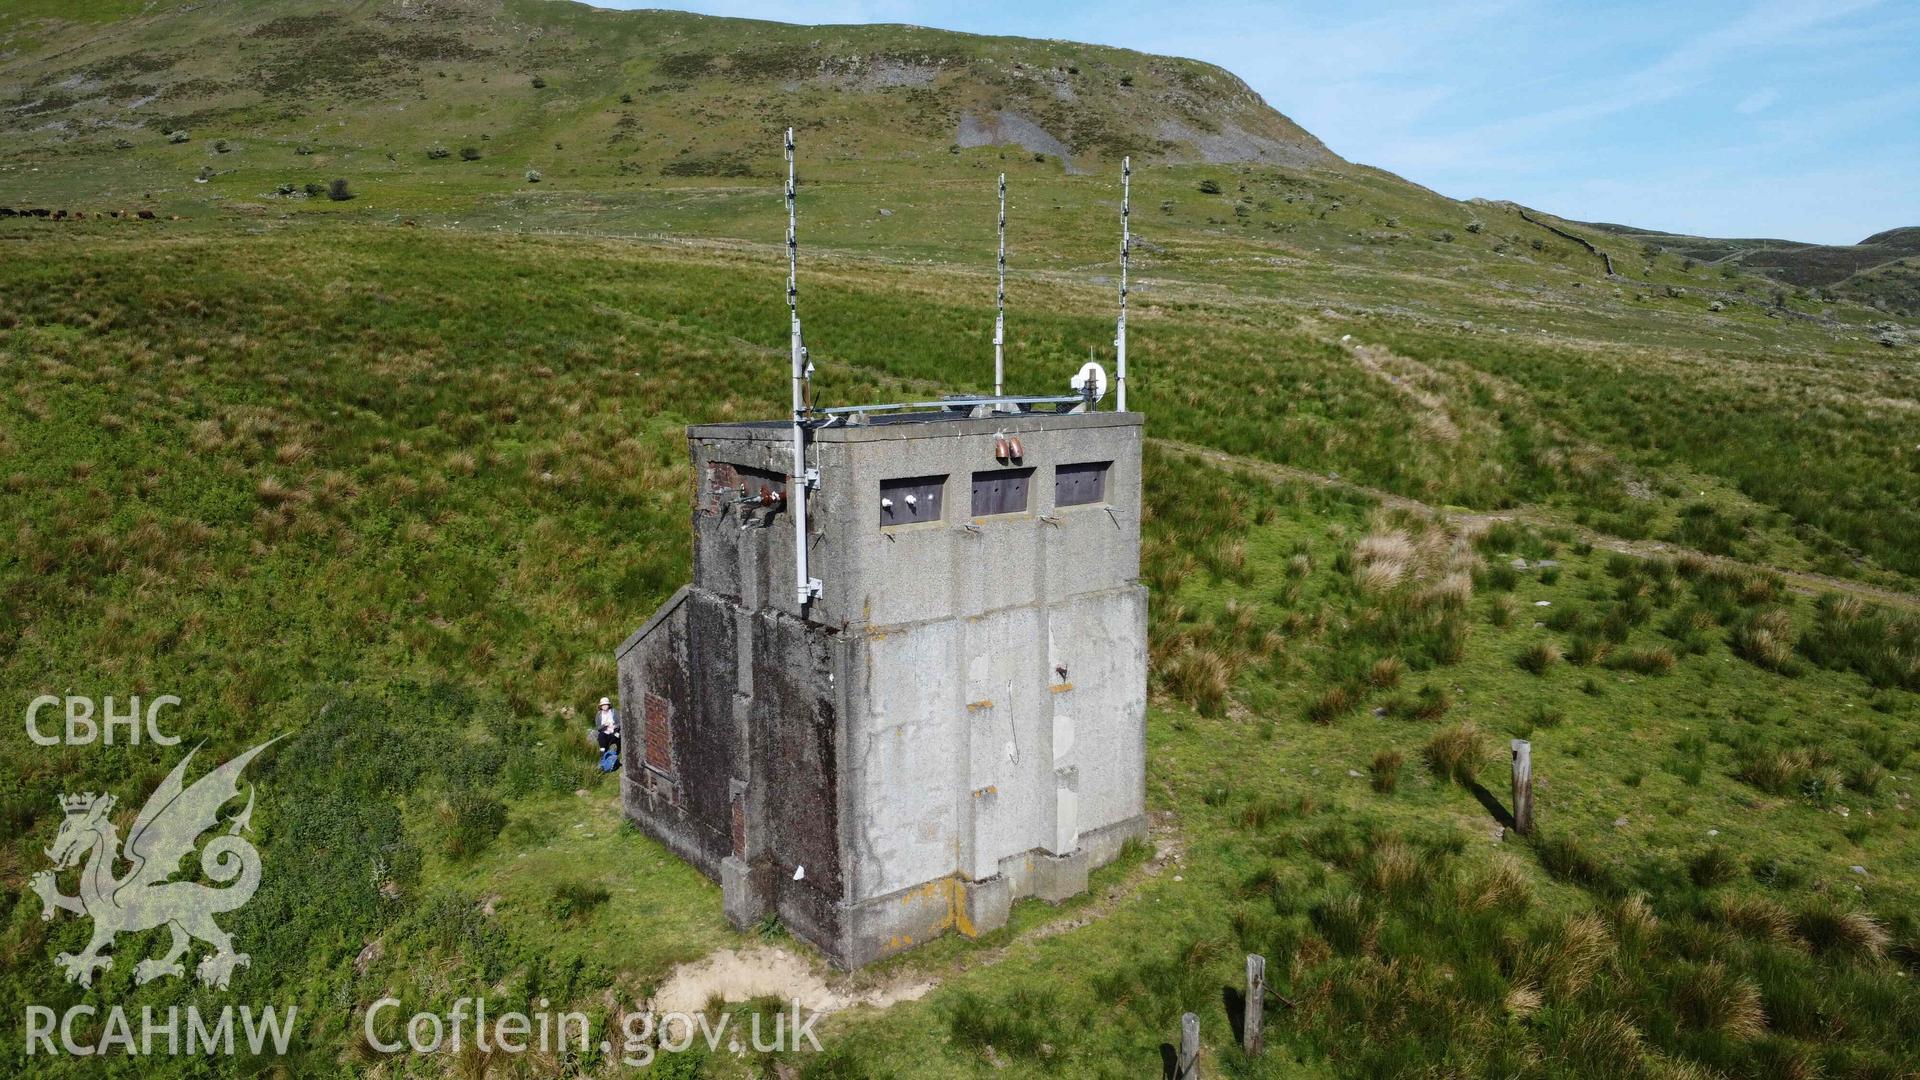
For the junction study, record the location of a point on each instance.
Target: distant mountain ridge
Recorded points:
(1862, 271)
(228, 102)
(704, 94)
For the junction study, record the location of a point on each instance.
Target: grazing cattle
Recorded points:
(79, 215)
(59, 215)
(6, 211)
(41, 211)
(146, 215)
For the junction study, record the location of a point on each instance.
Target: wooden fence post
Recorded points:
(1253, 1032)
(1523, 787)
(1188, 1065)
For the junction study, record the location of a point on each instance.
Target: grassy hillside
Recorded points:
(575, 92)
(392, 475)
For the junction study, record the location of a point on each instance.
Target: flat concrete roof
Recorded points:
(917, 425)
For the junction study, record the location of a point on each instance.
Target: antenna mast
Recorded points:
(1000, 299)
(807, 587)
(1126, 246)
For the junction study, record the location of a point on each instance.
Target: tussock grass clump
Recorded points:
(1713, 866)
(469, 822)
(1393, 867)
(1755, 917)
(1331, 705)
(1379, 577)
(1596, 1043)
(1386, 672)
(1385, 770)
(1502, 887)
(1018, 1025)
(1828, 929)
(1502, 609)
(1798, 770)
(1766, 639)
(1710, 997)
(1545, 716)
(1346, 923)
(1454, 753)
(1588, 650)
(1867, 778)
(1566, 859)
(1634, 921)
(1430, 703)
(1540, 657)
(1453, 591)
(1564, 958)
(1881, 647)
(1653, 660)
(1201, 678)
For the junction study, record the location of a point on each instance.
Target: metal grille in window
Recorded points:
(1001, 491)
(1080, 483)
(910, 499)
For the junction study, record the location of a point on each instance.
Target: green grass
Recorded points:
(396, 492)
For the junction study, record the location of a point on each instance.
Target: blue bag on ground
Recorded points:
(609, 759)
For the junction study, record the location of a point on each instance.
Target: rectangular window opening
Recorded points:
(1080, 483)
(1001, 491)
(909, 499)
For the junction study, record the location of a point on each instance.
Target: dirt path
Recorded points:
(1801, 581)
(792, 972)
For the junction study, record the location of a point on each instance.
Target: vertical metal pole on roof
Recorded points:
(1000, 300)
(807, 587)
(1126, 247)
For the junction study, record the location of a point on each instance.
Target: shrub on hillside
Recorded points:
(338, 190)
(1209, 187)
(469, 153)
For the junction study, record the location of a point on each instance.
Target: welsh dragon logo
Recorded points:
(167, 831)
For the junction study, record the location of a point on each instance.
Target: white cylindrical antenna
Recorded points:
(1126, 247)
(807, 587)
(1000, 300)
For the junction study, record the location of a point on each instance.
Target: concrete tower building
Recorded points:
(955, 719)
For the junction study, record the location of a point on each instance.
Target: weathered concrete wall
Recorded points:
(957, 722)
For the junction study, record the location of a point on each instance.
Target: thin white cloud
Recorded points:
(1758, 101)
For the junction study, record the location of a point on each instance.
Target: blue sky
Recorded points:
(1788, 118)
